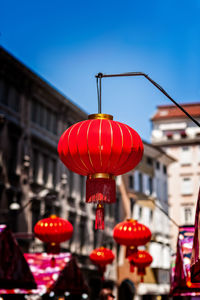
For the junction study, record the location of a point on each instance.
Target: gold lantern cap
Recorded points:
(100, 116)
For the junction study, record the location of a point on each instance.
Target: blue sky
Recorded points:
(68, 42)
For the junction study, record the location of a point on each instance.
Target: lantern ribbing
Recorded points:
(100, 149)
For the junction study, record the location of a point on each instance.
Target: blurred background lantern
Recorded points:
(102, 257)
(140, 259)
(132, 234)
(100, 149)
(53, 231)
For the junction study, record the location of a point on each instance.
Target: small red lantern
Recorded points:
(132, 234)
(140, 259)
(100, 149)
(102, 257)
(53, 231)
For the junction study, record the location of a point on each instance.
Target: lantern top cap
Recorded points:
(132, 220)
(53, 216)
(100, 116)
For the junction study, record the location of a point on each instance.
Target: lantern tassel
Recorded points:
(102, 270)
(130, 250)
(132, 267)
(99, 222)
(141, 271)
(100, 189)
(53, 262)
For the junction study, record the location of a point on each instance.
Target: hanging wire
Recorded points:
(161, 209)
(100, 75)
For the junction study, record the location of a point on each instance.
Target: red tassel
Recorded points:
(99, 222)
(102, 270)
(53, 262)
(141, 271)
(100, 189)
(132, 267)
(130, 250)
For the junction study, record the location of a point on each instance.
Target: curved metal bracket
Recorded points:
(99, 76)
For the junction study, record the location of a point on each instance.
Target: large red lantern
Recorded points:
(53, 231)
(102, 257)
(132, 234)
(100, 149)
(140, 259)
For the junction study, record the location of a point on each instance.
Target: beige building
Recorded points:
(34, 183)
(143, 196)
(179, 137)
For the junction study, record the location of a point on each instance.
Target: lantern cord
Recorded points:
(99, 93)
(100, 75)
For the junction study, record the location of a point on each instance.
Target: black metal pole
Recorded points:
(100, 75)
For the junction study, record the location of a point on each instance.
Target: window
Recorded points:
(185, 155)
(71, 182)
(158, 188)
(45, 168)
(157, 165)
(187, 215)
(132, 202)
(164, 169)
(33, 111)
(149, 161)
(43, 116)
(150, 185)
(186, 186)
(165, 195)
(131, 182)
(140, 212)
(140, 182)
(150, 215)
(82, 232)
(13, 99)
(54, 123)
(82, 187)
(35, 165)
(9, 96)
(54, 167)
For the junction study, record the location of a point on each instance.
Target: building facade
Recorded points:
(143, 193)
(180, 138)
(34, 183)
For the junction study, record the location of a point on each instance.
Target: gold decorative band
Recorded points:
(100, 116)
(101, 175)
(131, 220)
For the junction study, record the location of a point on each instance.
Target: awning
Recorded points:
(37, 273)
(14, 270)
(53, 273)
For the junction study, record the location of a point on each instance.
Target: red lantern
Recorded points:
(102, 257)
(140, 259)
(132, 234)
(53, 231)
(100, 149)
